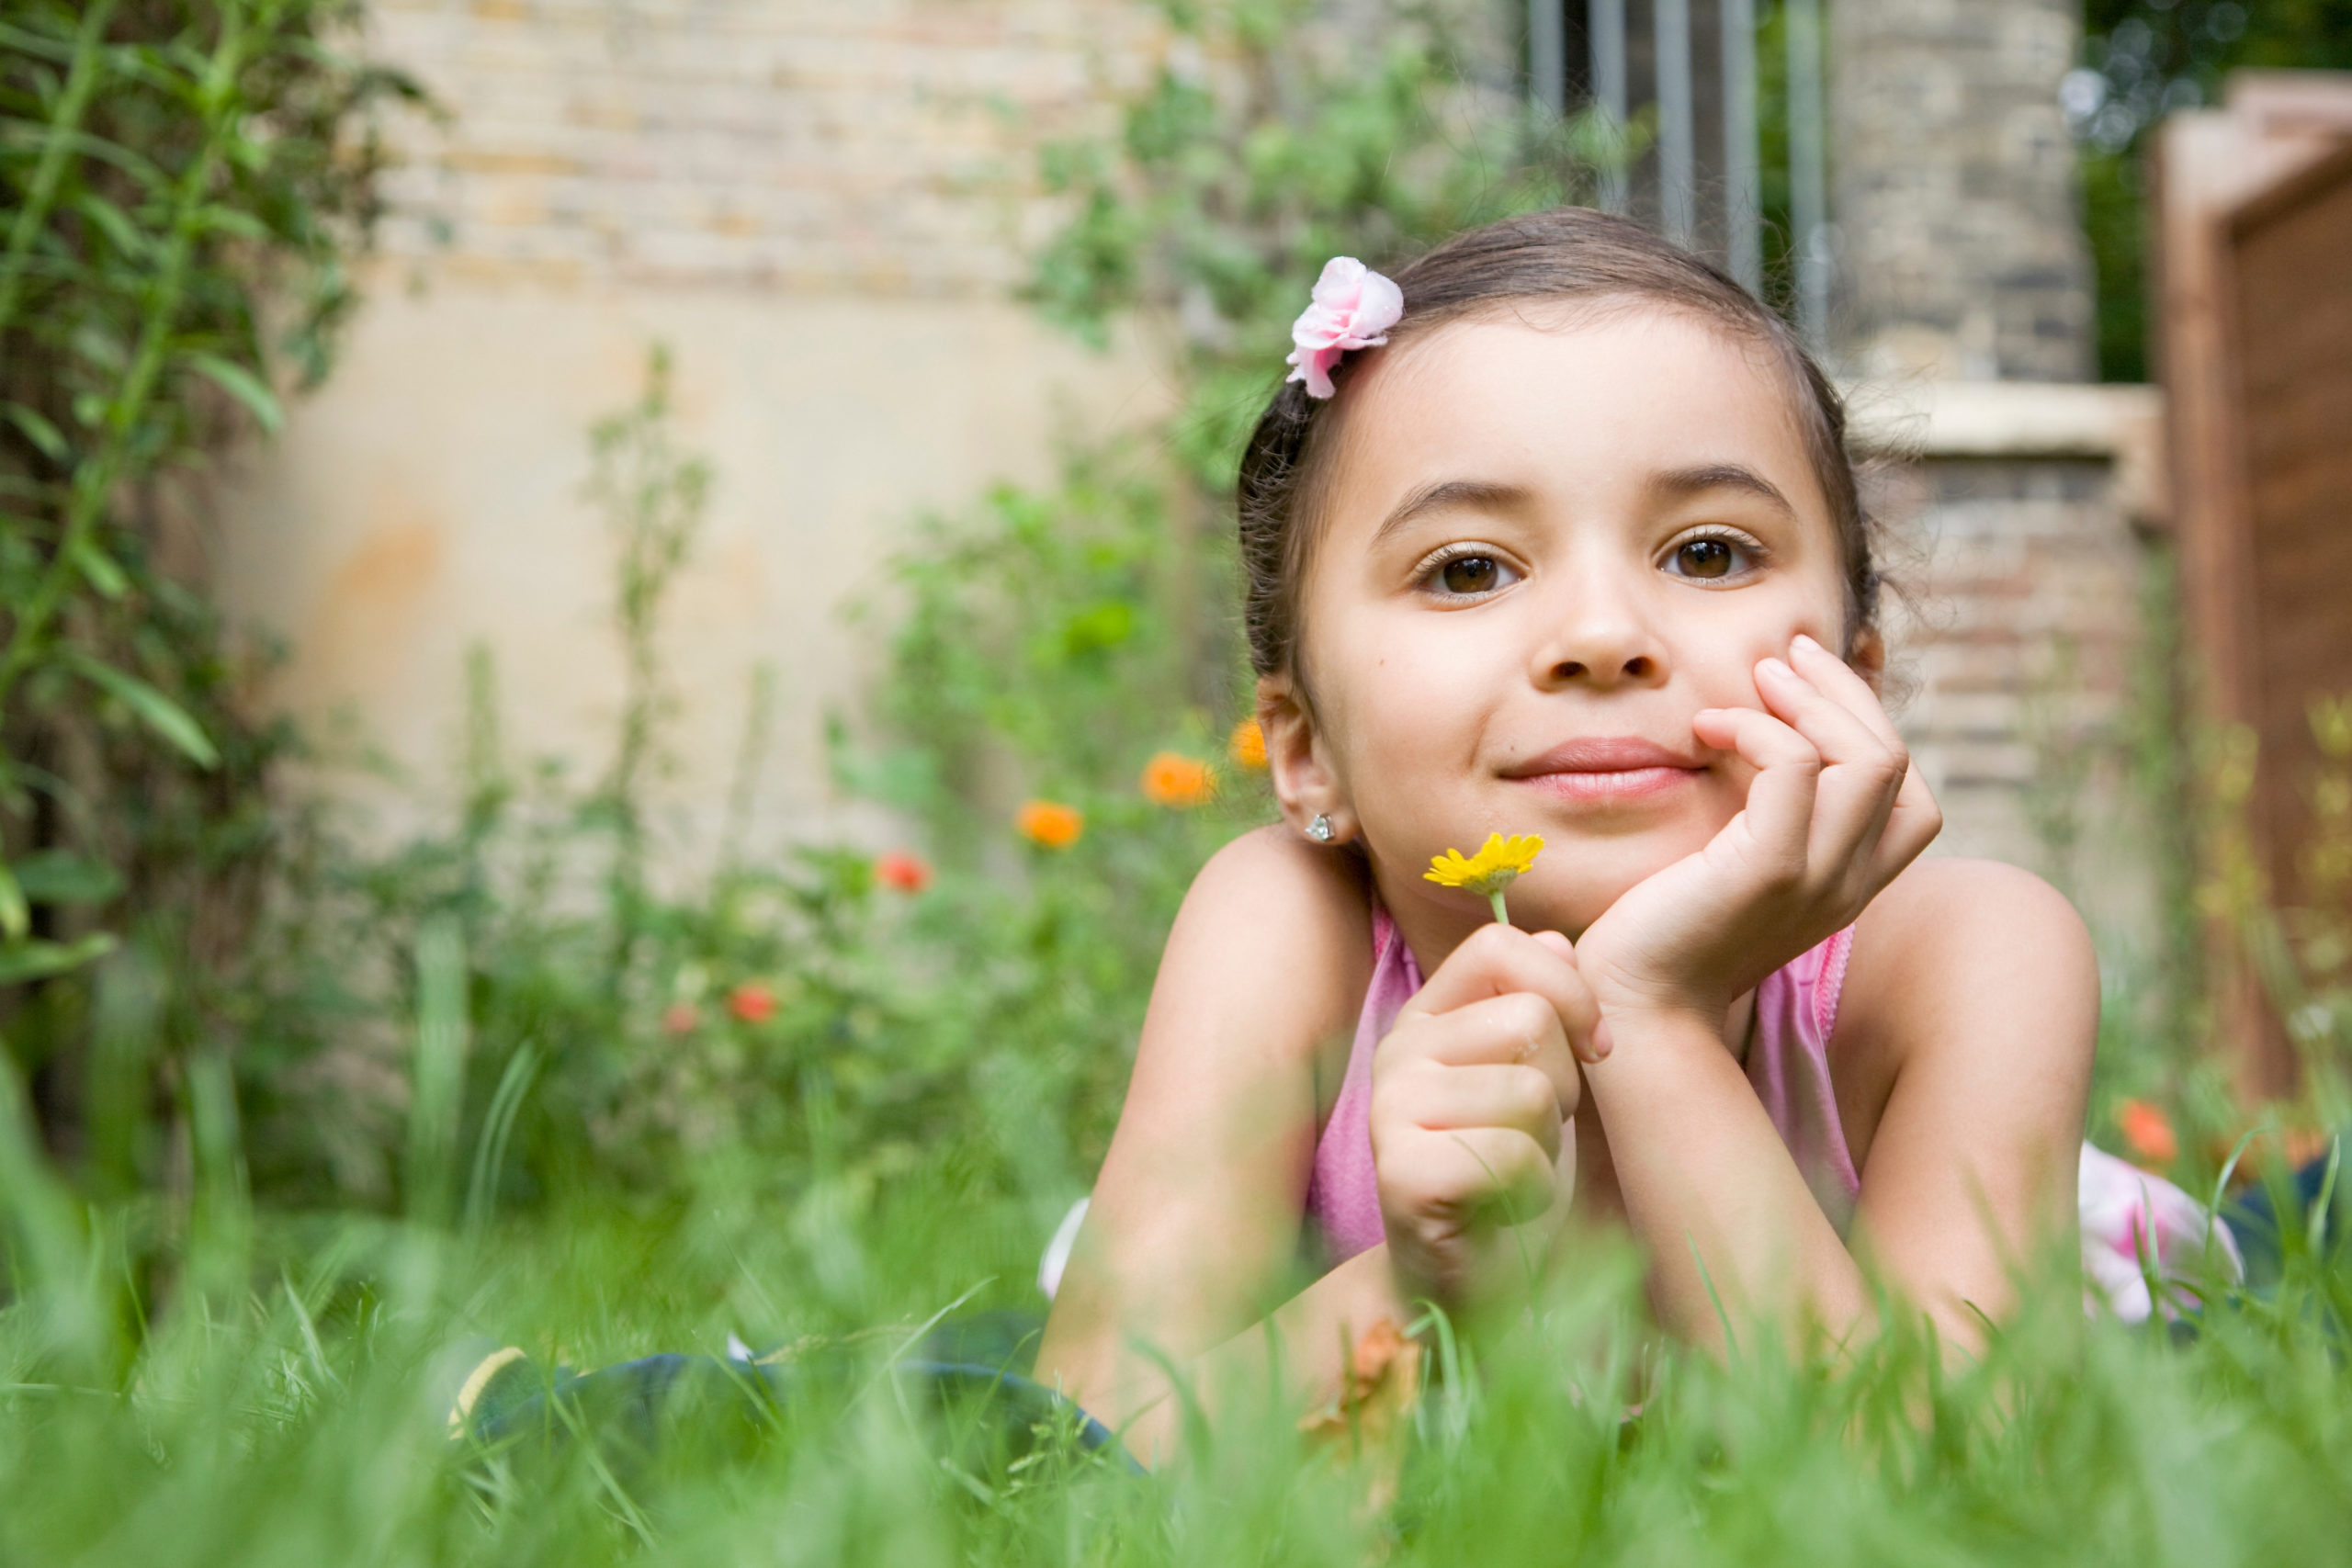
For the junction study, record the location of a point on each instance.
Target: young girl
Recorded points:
(1557, 534)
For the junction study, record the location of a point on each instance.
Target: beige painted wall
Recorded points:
(429, 498)
(825, 208)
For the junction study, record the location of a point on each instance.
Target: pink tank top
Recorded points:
(1788, 1063)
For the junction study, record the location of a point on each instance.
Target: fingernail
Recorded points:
(1602, 1043)
(1777, 667)
(1805, 641)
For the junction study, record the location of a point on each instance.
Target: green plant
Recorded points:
(2144, 59)
(652, 499)
(1263, 147)
(185, 185)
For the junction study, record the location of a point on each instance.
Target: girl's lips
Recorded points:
(1615, 784)
(1607, 769)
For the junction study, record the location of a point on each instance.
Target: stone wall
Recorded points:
(1959, 252)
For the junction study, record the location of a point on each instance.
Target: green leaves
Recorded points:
(37, 960)
(59, 876)
(38, 430)
(50, 876)
(157, 712)
(243, 385)
(1228, 189)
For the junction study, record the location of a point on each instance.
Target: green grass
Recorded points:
(267, 1389)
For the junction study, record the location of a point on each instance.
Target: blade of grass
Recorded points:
(497, 1125)
(49, 1250)
(437, 1084)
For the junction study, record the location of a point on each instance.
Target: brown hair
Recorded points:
(1568, 254)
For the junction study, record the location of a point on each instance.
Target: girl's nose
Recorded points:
(1599, 639)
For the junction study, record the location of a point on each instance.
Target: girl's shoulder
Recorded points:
(1962, 956)
(1281, 929)
(1950, 913)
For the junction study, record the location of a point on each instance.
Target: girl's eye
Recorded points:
(1470, 574)
(1710, 558)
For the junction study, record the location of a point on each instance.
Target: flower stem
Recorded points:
(1496, 899)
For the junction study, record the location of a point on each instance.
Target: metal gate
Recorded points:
(1688, 69)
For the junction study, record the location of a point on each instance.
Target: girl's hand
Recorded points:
(1472, 1094)
(1835, 811)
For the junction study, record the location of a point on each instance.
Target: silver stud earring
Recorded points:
(1320, 829)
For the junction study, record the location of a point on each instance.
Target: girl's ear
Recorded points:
(1303, 780)
(1867, 657)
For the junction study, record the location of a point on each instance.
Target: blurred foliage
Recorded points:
(818, 1024)
(183, 189)
(1264, 146)
(2141, 59)
(2297, 937)
(600, 1029)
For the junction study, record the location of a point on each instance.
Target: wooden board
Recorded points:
(2253, 247)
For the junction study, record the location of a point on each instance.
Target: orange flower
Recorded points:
(2148, 1131)
(1248, 746)
(907, 872)
(751, 1002)
(1177, 782)
(1050, 824)
(680, 1018)
(2305, 1145)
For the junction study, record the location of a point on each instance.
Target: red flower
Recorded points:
(680, 1018)
(907, 872)
(751, 1002)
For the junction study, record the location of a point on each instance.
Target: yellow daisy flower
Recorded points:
(1498, 862)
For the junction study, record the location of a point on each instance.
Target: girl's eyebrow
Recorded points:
(1475, 495)
(1677, 484)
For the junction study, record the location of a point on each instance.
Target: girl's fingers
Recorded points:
(1499, 960)
(1519, 1097)
(1838, 681)
(1912, 825)
(1906, 819)
(1778, 818)
(1482, 1169)
(1512, 1031)
(1862, 770)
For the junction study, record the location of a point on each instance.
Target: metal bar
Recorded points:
(1743, 179)
(1609, 90)
(1547, 56)
(1678, 162)
(1808, 174)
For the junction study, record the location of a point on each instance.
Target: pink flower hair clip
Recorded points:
(1353, 308)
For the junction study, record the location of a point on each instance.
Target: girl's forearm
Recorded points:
(1712, 1191)
(1306, 1342)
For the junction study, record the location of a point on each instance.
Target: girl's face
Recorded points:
(1545, 548)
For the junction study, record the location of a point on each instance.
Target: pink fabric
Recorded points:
(1788, 1063)
(1343, 1193)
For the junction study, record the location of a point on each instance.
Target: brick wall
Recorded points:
(2017, 524)
(2018, 647)
(877, 146)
